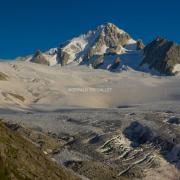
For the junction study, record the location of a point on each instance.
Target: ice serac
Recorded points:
(163, 56)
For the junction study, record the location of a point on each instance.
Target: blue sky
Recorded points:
(27, 25)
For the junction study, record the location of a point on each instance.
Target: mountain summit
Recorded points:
(109, 47)
(105, 38)
(91, 48)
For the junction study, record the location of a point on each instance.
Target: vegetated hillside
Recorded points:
(22, 160)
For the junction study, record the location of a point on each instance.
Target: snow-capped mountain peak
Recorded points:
(109, 47)
(105, 40)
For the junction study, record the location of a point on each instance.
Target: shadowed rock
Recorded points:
(139, 134)
(174, 120)
(39, 58)
(162, 55)
(96, 61)
(140, 45)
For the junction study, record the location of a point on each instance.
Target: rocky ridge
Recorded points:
(162, 55)
(101, 47)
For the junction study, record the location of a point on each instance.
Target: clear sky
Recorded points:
(27, 25)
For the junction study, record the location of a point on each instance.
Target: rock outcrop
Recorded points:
(162, 55)
(96, 61)
(39, 58)
(116, 63)
(63, 57)
(140, 45)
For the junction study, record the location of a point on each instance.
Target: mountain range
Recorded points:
(93, 108)
(111, 48)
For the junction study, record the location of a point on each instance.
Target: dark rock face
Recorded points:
(174, 120)
(162, 55)
(62, 57)
(113, 37)
(95, 139)
(113, 50)
(12, 126)
(96, 61)
(39, 58)
(139, 134)
(140, 45)
(116, 63)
